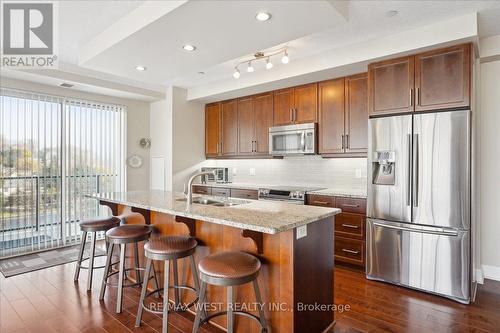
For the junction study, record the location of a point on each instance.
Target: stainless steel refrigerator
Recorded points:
(418, 206)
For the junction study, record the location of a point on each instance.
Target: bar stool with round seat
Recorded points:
(92, 227)
(229, 269)
(168, 248)
(123, 235)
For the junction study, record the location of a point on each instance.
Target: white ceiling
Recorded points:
(226, 31)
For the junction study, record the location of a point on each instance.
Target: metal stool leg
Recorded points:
(194, 272)
(176, 283)
(147, 274)
(137, 263)
(80, 256)
(230, 318)
(156, 285)
(120, 279)
(91, 261)
(200, 308)
(106, 272)
(165, 297)
(262, 316)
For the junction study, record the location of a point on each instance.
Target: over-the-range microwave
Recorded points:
(297, 139)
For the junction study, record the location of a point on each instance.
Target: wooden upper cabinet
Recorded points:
(229, 128)
(263, 113)
(331, 116)
(212, 129)
(442, 78)
(283, 106)
(356, 114)
(246, 126)
(391, 86)
(306, 104)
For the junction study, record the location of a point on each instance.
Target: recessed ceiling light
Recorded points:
(391, 13)
(189, 47)
(263, 16)
(201, 73)
(140, 68)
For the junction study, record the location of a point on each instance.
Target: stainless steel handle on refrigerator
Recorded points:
(408, 192)
(303, 141)
(420, 230)
(416, 154)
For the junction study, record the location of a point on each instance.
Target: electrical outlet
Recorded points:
(252, 171)
(302, 231)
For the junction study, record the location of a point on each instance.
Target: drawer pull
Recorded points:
(321, 202)
(350, 226)
(350, 251)
(350, 205)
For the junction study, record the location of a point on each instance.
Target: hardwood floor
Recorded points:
(49, 301)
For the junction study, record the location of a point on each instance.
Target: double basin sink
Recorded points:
(214, 202)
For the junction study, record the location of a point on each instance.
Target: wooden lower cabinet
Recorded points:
(226, 192)
(350, 227)
(244, 194)
(201, 189)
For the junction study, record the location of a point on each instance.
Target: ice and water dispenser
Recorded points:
(384, 167)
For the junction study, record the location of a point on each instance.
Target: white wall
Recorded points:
(137, 123)
(178, 139)
(488, 169)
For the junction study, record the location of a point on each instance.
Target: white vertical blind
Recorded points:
(54, 150)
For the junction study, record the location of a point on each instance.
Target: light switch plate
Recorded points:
(252, 171)
(301, 231)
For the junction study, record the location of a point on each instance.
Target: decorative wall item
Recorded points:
(134, 161)
(145, 143)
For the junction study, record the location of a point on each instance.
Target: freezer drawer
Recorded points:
(435, 260)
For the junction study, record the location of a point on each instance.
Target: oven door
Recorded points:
(294, 139)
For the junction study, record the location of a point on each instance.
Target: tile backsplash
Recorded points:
(341, 173)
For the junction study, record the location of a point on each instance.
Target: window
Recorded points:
(54, 150)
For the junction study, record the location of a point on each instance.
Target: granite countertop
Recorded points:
(334, 192)
(262, 216)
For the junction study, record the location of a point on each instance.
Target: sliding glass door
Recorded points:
(54, 151)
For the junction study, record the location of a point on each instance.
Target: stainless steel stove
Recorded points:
(288, 194)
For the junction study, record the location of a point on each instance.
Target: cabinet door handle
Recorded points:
(253, 149)
(256, 146)
(347, 141)
(320, 202)
(291, 115)
(352, 226)
(350, 205)
(221, 147)
(295, 115)
(342, 141)
(350, 251)
(418, 96)
(411, 97)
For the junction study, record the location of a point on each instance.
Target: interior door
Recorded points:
(441, 146)
(331, 113)
(229, 128)
(306, 104)
(263, 111)
(246, 126)
(389, 166)
(212, 129)
(356, 111)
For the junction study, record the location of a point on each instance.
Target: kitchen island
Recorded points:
(293, 242)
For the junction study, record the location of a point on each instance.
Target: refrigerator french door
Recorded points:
(418, 206)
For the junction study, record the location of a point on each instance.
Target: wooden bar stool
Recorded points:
(168, 248)
(92, 227)
(123, 235)
(229, 269)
